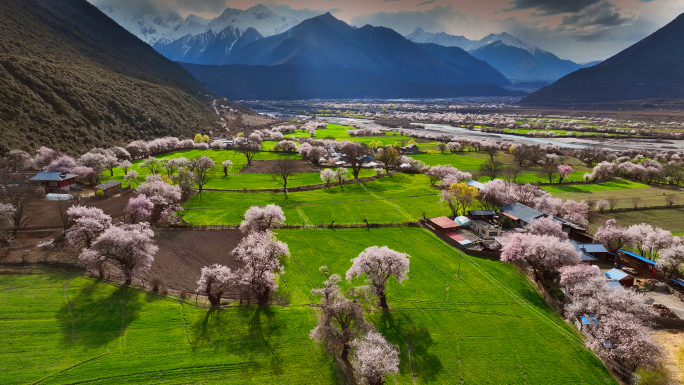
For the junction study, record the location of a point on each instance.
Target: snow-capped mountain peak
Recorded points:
(441, 38)
(506, 39)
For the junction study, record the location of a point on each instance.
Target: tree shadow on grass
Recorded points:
(250, 332)
(398, 328)
(96, 315)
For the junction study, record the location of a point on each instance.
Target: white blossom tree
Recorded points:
(379, 264)
(259, 219)
(670, 260)
(327, 176)
(215, 281)
(261, 256)
(342, 318)
(547, 226)
(543, 252)
(374, 358)
(202, 167)
(129, 247)
(612, 236)
(85, 224)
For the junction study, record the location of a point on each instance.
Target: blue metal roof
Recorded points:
(482, 212)
(522, 212)
(476, 184)
(48, 176)
(639, 257)
(616, 274)
(593, 247)
(679, 282)
(588, 257)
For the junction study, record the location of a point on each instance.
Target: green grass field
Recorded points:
(489, 326)
(611, 185)
(626, 192)
(668, 219)
(343, 204)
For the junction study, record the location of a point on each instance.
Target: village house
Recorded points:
(109, 188)
(54, 181)
(476, 184)
(410, 149)
(521, 215)
(595, 250)
(620, 276)
(637, 262)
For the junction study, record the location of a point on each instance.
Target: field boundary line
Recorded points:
(185, 322)
(70, 367)
(379, 198)
(301, 215)
(372, 193)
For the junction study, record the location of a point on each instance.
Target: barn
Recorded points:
(54, 181)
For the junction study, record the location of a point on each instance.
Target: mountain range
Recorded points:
(513, 57)
(653, 68)
(72, 79)
(339, 54)
(197, 40)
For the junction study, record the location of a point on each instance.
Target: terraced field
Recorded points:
(489, 326)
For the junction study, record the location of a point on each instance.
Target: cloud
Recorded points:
(425, 2)
(550, 7)
(603, 14)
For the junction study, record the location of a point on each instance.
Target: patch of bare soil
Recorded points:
(268, 166)
(672, 342)
(183, 253)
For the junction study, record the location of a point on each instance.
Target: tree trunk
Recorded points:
(345, 351)
(262, 298)
(383, 301)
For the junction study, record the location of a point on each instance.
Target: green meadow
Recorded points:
(464, 320)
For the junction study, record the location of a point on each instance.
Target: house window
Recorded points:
(53, 184)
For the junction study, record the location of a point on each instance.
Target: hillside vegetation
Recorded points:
(71, 78)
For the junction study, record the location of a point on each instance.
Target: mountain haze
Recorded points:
(72, 78)
(651, 68)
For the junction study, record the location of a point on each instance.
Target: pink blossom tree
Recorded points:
(648, 239)
(125, 165)
(564, 171)
(575, 212)
(496, 193)
(6, 213)
(340, 174)
(260, 255)
(547, 226)
(17, 160)
(85, 224)
(374, 358)
(543, 253)
(670, 260)
(63, 163)
(159, 192)
(612, 236)
(128, 247)
(286, 146)
(45, 156)
(258, 219)
(139, 208)
(571, 275)
(623, 338)
(249, 147)
(342, 318)
(378, 264)
(215, 281)
(86, 174)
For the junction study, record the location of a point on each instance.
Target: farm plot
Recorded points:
(629, 194)
(488, 326)
(342, 204)
(668, 219)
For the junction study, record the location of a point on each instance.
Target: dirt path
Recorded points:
(672, 342)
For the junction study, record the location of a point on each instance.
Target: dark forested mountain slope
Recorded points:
(72, 78)
(650, 69)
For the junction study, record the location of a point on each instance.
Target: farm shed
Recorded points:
(110, 187)
(410, 149)
(485, 228)
(443, 224)
(482, 214)
(54, 181)
(625, 279)
(520, 214)
(637, 262)
(591, 252)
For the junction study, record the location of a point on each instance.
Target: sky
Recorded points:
(579, 30)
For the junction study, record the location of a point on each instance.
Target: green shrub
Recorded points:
(99, 193)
